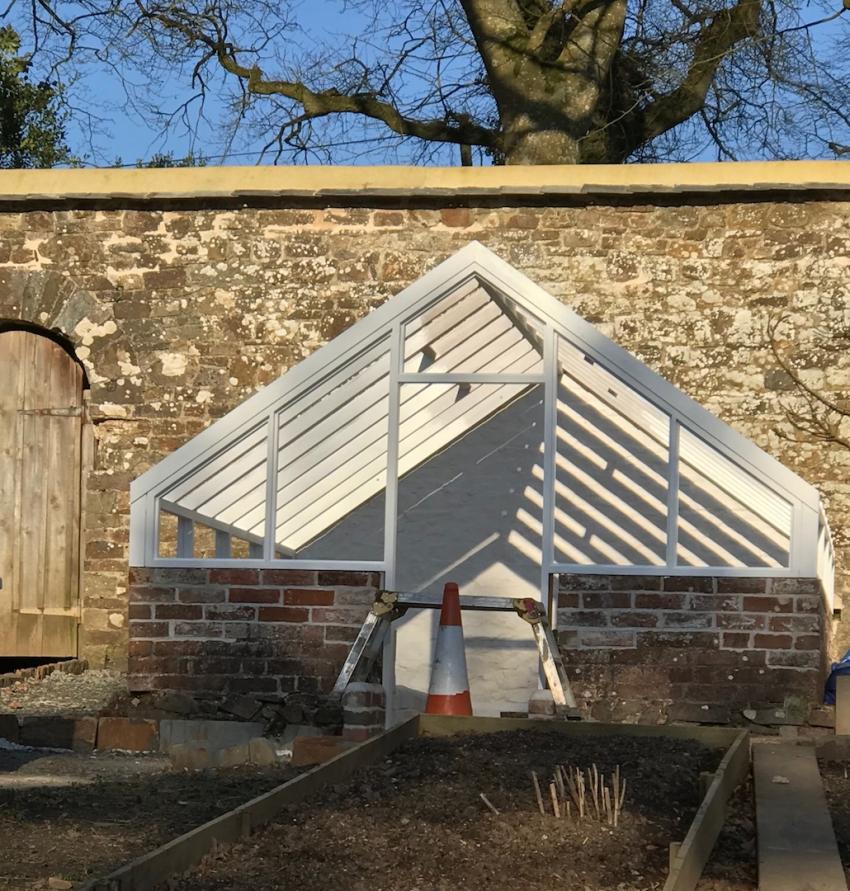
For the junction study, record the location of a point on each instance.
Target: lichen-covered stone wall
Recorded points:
(179, 314)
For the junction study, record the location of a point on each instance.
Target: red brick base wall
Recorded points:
(639, 647)
(270, 631)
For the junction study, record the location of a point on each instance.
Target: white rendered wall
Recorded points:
(470, 515)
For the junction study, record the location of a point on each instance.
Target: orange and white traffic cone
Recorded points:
(449, 690)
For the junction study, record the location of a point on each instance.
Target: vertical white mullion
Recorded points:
(273, 435)
(391, 497)
(796, 538)
(222, 545)
(391, 516)
(185, 537)
(151, 530)
(803, 546)
(550, 421)
(673, 493)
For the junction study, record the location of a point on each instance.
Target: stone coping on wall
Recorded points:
(363, 183)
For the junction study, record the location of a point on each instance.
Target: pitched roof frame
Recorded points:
(474, 262)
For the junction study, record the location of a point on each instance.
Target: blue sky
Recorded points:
(126, 137)
(121, 134)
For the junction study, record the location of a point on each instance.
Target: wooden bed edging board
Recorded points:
(184, 852)
(446, 725)
(693, 853)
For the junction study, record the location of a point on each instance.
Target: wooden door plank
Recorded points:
(10, 365)
(62, 434)
(41, 523)
(32, 542)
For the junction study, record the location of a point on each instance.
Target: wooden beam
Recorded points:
(691, 856)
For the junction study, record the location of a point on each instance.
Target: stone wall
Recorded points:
(639, 646)
(180, 312)
(268, 632)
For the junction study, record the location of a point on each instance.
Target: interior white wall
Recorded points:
(470, 515)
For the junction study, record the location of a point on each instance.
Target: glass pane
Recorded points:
(473, 330)
(470, 511)
(726, 516)
(611, 468)
(223, 501)
(332, 464)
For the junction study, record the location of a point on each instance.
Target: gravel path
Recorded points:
(63, 694)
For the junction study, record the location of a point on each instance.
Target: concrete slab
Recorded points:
(797, 850)
(211, 735)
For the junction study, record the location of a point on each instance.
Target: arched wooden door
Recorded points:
(41, 418)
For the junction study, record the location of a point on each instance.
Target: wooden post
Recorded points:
(842, 705)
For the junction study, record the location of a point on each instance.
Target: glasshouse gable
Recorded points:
(475, 430)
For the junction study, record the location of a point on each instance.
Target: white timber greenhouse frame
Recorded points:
(266, 481)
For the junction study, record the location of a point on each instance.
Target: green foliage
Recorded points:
(32, 122)
(167, 159)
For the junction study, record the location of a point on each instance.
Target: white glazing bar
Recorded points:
(391, 499)
(391, 512)
(259, 563)
(151, 534)
(222, 544)
(273, 441)
(673, 493)
(623, 569)
(803, 556)
(550, 436)
(185, 537)
(496, 377)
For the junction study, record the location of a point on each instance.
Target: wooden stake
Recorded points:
(593, 778)
(581, 793)
(559, 782)
(573, 786)
(537, 793)
(554, 794)
(615, 786)
(489, 803)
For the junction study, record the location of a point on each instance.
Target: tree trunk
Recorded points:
(523, 144)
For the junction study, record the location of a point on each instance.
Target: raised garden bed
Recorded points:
(383, 817)
(416, 820)
(70, 817)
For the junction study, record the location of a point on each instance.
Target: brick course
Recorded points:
(705, 643)
(238, 643)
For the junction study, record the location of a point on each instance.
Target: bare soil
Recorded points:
(416, 822)
(70, 816)
(733, 865)
(836, 784)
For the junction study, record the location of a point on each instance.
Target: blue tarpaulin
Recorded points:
(840, 667)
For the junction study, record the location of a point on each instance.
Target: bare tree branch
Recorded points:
(819, 417)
